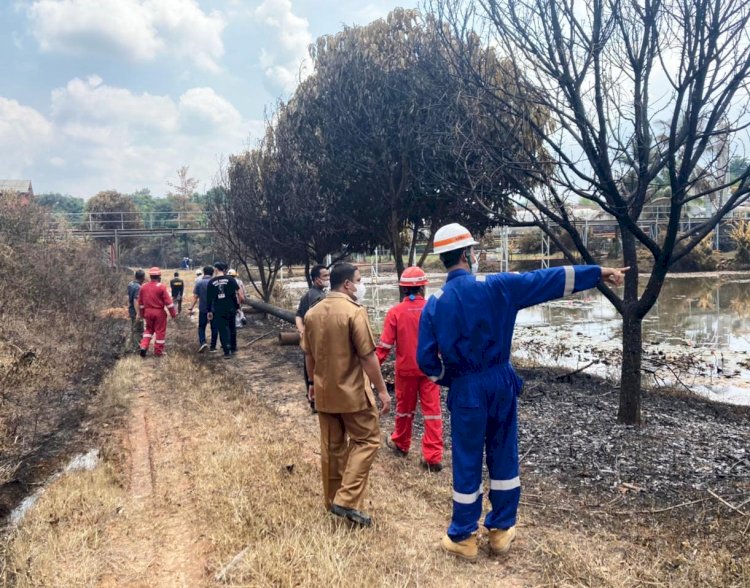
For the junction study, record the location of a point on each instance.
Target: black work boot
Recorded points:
(360, 518)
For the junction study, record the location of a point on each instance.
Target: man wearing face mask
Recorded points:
(465, 335)
(340, 354)
(321, 281)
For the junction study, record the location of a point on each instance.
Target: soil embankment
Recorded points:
(50, 424)
(213, 479)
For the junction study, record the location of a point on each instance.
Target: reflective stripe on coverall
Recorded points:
(152, 299)
(401, 329)
(465, 336)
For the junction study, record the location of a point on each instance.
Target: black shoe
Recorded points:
(212, 350)
(395, 448)
(202, 348)
(142, 352)
(227, 356)
(355, 516)
(432, 467)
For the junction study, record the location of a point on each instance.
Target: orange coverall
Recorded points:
(152, 299)
(401, 329)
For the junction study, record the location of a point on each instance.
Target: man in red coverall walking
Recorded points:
(401, 330)
(152, 300)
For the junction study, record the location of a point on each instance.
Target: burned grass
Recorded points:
(55, 346)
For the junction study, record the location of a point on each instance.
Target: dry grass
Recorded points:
(607, 560)
(61, 542)
(249, 472)
(258, 483)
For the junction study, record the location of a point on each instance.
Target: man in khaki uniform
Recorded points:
(340, 354)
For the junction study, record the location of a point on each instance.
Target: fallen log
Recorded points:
(282, 313)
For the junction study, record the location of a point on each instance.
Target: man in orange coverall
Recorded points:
(152, 299)
(401, 330)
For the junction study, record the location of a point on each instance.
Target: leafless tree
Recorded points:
(633, 90)
(241, 214)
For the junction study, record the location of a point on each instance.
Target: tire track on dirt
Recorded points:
(156, 541)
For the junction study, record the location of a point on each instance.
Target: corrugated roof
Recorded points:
(15, 186)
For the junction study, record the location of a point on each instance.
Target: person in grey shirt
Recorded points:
(200, 296)
(136, 322)
(321, 279)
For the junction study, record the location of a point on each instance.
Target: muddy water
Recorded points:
(701, 324)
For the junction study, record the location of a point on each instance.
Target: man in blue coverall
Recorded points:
(465, 335)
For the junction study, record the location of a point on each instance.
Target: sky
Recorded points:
(119, 94)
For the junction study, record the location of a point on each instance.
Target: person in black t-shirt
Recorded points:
(321, 279)
(223, 302)
(178, 288)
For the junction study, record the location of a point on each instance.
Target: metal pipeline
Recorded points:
(283, 314)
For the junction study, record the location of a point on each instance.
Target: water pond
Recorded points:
(697, 336)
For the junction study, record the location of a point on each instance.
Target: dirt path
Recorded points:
(419, 518)
(157, 541)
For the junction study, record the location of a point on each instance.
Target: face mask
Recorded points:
(325, 284)
(359, 293)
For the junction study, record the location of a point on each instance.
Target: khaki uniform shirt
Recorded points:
(337, 334)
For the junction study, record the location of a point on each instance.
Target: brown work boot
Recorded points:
(500, 540)
(466, 549)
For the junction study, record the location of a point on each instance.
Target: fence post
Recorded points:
(545, 250)
(117, 250)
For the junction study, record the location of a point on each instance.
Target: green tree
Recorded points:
(109, 211)
(737, 168)
(61, 203)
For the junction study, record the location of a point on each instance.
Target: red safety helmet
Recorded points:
(154, 271)
(413, 276)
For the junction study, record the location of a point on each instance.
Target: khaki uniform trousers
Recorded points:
(348, 445)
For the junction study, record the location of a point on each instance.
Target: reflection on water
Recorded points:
(703, 311)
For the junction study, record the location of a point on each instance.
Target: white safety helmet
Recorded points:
(452, 236)
(232, 272)
(199, 273)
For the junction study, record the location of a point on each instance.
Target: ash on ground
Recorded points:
(568, 433)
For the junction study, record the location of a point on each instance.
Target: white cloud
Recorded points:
(24, 133)
(204, 108)
(139, 30)
(102, 137)
(91, 102)
(288, 59)
(370, 11)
